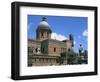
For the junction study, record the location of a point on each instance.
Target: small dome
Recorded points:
(43, 25)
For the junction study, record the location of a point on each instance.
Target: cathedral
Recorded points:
(44, 51)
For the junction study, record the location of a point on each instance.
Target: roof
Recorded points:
(31, 40)
(66, 41)
(53, 41)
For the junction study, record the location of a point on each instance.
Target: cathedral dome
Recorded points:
(43, 25)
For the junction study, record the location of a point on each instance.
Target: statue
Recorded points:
(80, 49)
(81, 57)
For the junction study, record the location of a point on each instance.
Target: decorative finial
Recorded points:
(43, 18)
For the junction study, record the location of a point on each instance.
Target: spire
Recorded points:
(71, 36)
(43, 18)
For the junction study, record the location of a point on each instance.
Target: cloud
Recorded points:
(85, 33)
(74, 42)
(30, 25)
(58, 36)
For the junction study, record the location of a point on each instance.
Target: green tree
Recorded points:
(71, 58)
(62, 58)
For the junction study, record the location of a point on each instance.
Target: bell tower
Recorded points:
(71, 38)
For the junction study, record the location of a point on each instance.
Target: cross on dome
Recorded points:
(43, 18)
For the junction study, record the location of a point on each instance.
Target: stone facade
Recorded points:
(45, 51)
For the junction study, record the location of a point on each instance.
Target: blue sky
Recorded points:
(62, 26)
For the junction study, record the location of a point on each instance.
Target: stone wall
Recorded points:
(34, 60)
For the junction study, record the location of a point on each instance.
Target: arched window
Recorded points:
(36, 50)
(54, 49)
(42, 35)
(69, 50)
(43, 49)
